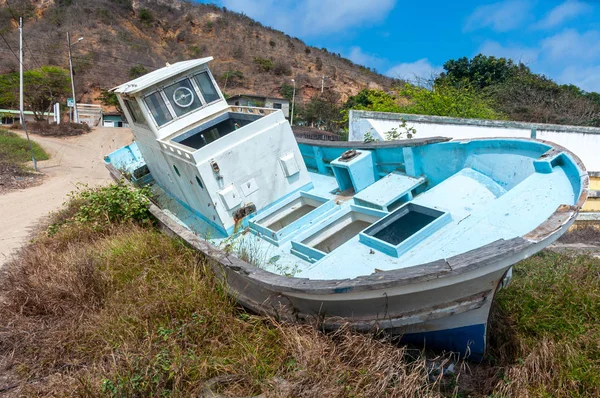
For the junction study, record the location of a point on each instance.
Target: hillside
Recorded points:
(123, 38)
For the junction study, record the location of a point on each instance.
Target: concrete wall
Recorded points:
(582, 141)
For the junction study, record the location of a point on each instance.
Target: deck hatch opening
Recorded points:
(290, 213)
(340, 231)
(404, 228)
(400, 229)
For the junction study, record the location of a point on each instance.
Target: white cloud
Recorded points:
(421, 69)
(570, 45)
(567, 10)
(587, 78)
(357, 56)
(516, 53)
(501, 17)
(313, 17)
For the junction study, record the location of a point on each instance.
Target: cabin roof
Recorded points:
(154, 77)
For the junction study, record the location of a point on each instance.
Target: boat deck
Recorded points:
(326, 243)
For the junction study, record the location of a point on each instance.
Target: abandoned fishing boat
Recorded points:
(413, 236)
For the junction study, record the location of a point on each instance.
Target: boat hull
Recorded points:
(446, 311)
(443, 304)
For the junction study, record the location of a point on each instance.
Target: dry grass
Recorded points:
(127, 311)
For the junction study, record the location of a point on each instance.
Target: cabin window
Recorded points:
(177, 171)
(199, 182)
(207, 88)
(182, 97)
(158, 108)
(277, 105)
(135, 111)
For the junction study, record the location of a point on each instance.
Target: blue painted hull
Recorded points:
(468, 341)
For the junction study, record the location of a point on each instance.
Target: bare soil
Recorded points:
(73, 160)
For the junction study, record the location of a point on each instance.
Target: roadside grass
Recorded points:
(546, 328)
(103, 304)
(15, 150)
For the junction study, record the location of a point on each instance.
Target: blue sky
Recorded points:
(404, 39)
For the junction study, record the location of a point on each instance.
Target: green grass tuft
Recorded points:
(549, 340)
(15, 149)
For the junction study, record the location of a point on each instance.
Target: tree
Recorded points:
(447, 100)
(42, 88)
(480, 71)
(109, 98)
(287, 91)
(234, 77)
(322, 110)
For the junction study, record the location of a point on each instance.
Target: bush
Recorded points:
(265, 65)
(281, 68)
(318, 64)
(272, 43)
(208, 27)
(145, 16)
(98, 208)
(58, 130)
(137, 71)
(448, 100)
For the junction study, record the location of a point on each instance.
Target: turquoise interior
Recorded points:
(476, 192)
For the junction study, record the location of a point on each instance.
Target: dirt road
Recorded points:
(72, 160)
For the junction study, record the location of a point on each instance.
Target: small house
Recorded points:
(8, 117)
(113, 119)
(261, 101)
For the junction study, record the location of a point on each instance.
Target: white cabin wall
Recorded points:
(253, 152)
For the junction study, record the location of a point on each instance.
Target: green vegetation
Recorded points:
(15, 149)
(145, 16)
(232, 77)
(547, 328)
(109, 98)
(521, 94)
(137, 71)
(264, 65)
(287, 91)
(42, 88)
(448, 100)
(138, 313)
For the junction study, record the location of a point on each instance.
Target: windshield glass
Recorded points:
(158, 108)
(183, 97)
(209, 92)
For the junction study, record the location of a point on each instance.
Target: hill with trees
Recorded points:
(124, 39)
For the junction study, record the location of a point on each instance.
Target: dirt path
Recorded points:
(72, 160)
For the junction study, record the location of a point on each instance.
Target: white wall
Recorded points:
(582, 141)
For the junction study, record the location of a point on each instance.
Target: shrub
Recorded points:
(307, 50)
(287, 91)
(281, 68)
(99, 207)
(318, 64)
(67, 129)
(137, 71)
(272, 43)
(448, 100)
(208, 27)
(145, 16)
(238, 53)
(265, 65)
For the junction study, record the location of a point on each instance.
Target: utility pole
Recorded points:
(75, 113)
(21, 112)
(293, 102)
(322, 83)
